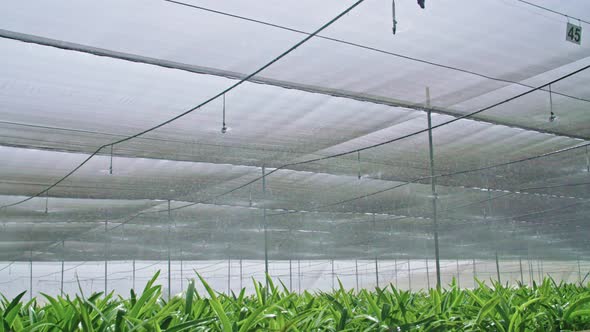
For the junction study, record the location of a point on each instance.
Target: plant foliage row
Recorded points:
(545, 307)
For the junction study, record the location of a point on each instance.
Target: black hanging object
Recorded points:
(394, 29)
(552, 115)
(223, 127)
(111, 163)
(421, 3)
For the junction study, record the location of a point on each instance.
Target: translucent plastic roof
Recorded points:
(338, 126)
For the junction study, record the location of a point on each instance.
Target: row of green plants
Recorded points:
(545, 307)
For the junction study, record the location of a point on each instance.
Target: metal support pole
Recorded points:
(106, 254)
(521, 274)
(133, 264)
(579, 271)
(377, 272)
(332, 264)
(265, 230)
(531, 272)
(542, 273)
(47, 202)
(395, 269)
(290, 276)
(168, 247)
(111, 161)
(587, 160)
(409, 276)
(359, 164)
(229, 277)
(489, 203)
(458, 275)
(356, 273)
(474, 272)
(375, 251)
(427, 274)
(299, 276)
(433, 188)
(241, 275)
(31, 275)
(61, 284)
(498, 268)
(181, 273)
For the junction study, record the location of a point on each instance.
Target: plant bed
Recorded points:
(545, 307)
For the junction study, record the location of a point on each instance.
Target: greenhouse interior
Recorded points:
(234, 154)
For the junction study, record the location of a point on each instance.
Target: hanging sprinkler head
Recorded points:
(421, 3)
(552, 116)
(224, 126)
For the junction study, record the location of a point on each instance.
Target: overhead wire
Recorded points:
(399, 138)
(374, 49)
(479, 169)
(364, 196)
(247, 78)
(301, 162)
(230, 88)
(117, 225)
(553, 11)
(502, 195)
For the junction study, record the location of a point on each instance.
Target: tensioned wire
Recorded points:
(409, 217)
(387, 273)
(399, 138)
(116, 272)
(374, 49)
(347, 271)
(405, 183)
(341, 202)
(451, 209)
(381, 220)
(384, 270)
(548, 10)
(220, 94)
(119, 272)
(323, 158)
(458, 207)
(278, 26)
(301, 162)
(453, 174)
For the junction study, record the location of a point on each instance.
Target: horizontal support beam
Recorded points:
(65, 45)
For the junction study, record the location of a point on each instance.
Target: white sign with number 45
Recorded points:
(573, 33)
